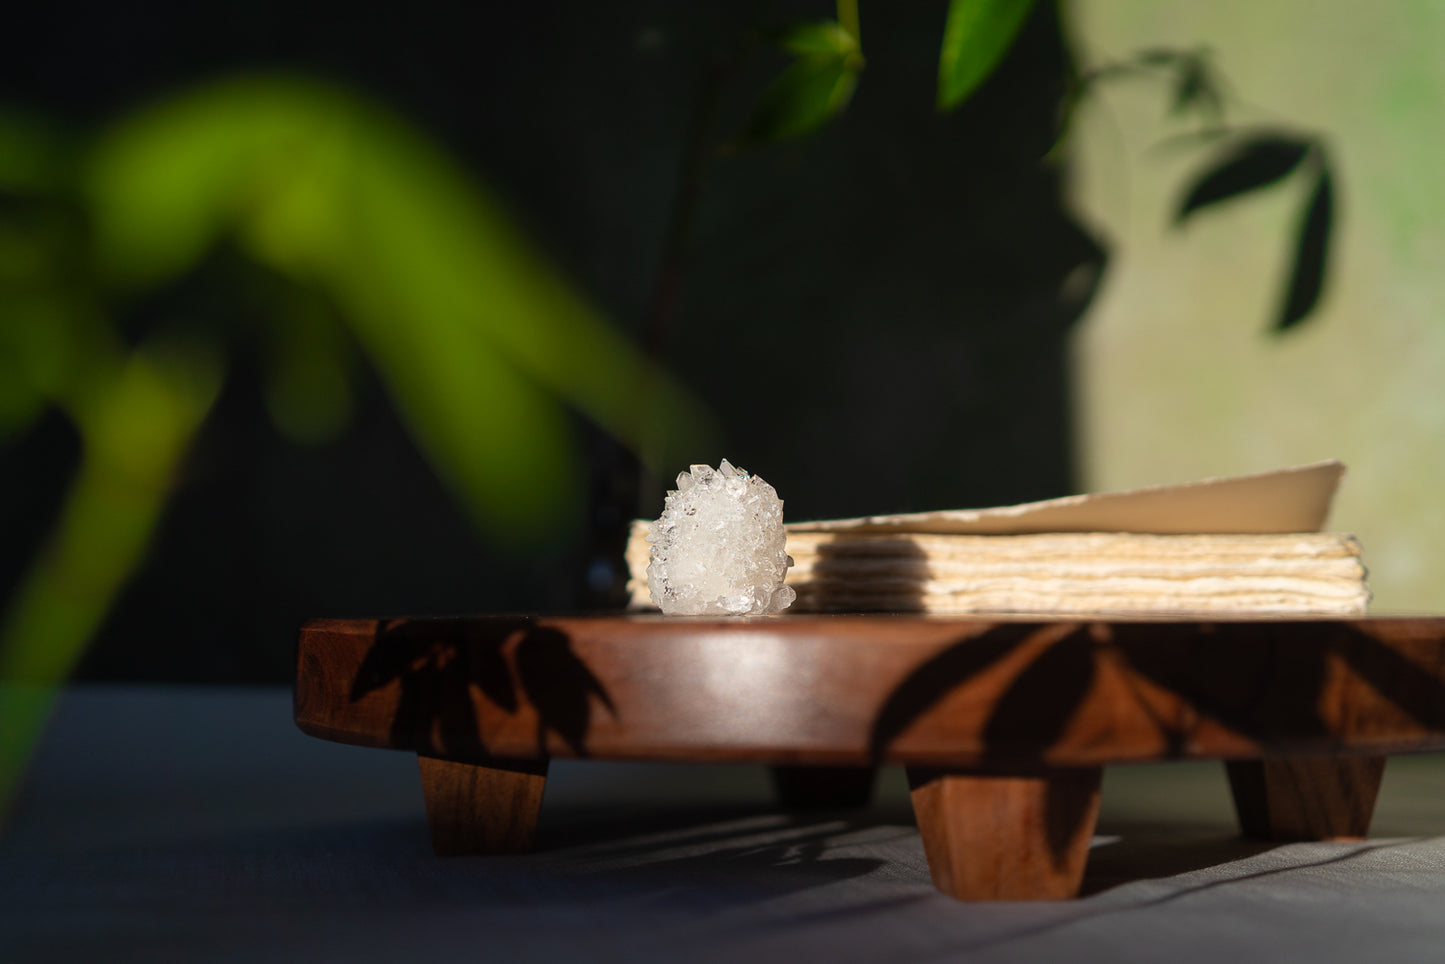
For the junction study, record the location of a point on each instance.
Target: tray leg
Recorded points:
(489, 809)
(823, 788)
(1006, 836)
(1306, 798)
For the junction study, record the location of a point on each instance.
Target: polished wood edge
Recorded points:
(1395, 665)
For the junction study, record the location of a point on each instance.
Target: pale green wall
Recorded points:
(1175, 373)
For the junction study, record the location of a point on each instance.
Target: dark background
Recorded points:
(877, 315)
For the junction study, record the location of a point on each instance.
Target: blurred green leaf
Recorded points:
(479, 340)
(164, 185)
(815, 87)
(51, 343)
(307, 381)
(382, 243)
(482, 344)
(34, 156)
(19, 405)
(31, 236)
(415, 281)
(805, 96)
(135, 423)
(167, 183)
(826, 39)
(848, 19)
(976, 35)
(34, 344)
(23, 711)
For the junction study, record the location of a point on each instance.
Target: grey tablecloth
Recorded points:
(162, 824)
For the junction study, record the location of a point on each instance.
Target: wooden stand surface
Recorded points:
(1004, 724)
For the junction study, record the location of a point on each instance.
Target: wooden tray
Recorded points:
(1003, 724)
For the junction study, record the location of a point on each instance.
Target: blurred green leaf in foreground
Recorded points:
(377, 242)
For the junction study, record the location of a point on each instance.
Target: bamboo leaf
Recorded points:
(34, 156)
(483, 345)
(809, 93)
(976, 35)
(136, 425)
(821, 38)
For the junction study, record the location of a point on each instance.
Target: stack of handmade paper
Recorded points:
(1248, 544)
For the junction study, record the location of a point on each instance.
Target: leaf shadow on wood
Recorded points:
(1268, 682)
(512, 663)
(929, 683)
(1033, 713)
(1265, 686)
(1034, 710)
(1415, 691)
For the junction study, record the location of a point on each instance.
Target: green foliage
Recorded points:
(373, 242)
(816, 86)
(33, 155)
(805, 97)
(828, 58)
(826, 39)
(483, 346)
(976, 35)
(136, 414)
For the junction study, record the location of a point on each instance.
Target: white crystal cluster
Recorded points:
(719, 548)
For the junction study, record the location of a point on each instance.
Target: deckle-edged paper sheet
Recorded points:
(1295, 499)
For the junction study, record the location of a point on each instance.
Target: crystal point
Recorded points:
(719, 547)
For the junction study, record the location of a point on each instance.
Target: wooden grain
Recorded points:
(861, 690)
(473, 810)
(1005, 836)
(1306, 798)
(1003, 723)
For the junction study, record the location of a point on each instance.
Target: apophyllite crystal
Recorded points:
(719, 548)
